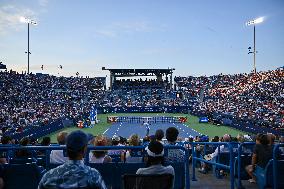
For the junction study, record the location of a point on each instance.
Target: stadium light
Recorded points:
(254, 22)
(28, 21)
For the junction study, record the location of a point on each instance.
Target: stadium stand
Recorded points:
(36, 105)
(31, 102)
(249, 102)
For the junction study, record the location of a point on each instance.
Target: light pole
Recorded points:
(254, 22)
(28, 21)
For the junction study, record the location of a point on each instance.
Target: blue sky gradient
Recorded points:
(197, 37)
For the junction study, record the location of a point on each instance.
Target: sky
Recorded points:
(196, 37)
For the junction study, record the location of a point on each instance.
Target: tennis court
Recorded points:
(126, 129)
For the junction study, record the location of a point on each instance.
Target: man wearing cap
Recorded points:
(73, 173)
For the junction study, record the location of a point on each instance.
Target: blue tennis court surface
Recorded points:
(127, 129)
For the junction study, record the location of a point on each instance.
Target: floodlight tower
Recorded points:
(28, 21)
(254, 22)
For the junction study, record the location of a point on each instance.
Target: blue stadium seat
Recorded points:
(41, 160)
(153, 181)
(280, 157)
(179, 174)
(5, 153)
(112, 172)
(127, 168)
(115, 158)
(24, 176)
(222, 158)
(264, 177)
(22, 160)
(245, 160)
(109, 173)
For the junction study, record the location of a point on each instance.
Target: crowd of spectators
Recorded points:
(140, 84)
(142, 98)
(39, 99)
(251, 96)
(29, 99)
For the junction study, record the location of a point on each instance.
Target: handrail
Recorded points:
(240, 152)
(231, 167)
(90, 147)
(275, 151)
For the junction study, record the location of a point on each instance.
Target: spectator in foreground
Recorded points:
(173, 154)
(100, 156)
(24, 153)
(155, 161)
(57, 156)
(91, 138)
(281, 140)
(271, 138)
(160, 135)
(115, 141)
(73, 173)
(223, 148)
(213, 156)
(45, 142)
(1, 177)
(188, 142)
(132, 156)
(5, 140)
(262, 153)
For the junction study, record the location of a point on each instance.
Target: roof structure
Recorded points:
(2, 66)
(139, 72)
(158, 73)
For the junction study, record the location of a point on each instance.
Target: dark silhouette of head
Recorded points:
(172, 134)
(159, 134)
(76, 145)
(155, 151)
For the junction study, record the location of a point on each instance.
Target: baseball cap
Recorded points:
(76, 140)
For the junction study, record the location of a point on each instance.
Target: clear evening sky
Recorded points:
(196, 37)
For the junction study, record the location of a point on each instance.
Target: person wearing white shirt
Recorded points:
(212, 157)
(57, 156)
(155, 161)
